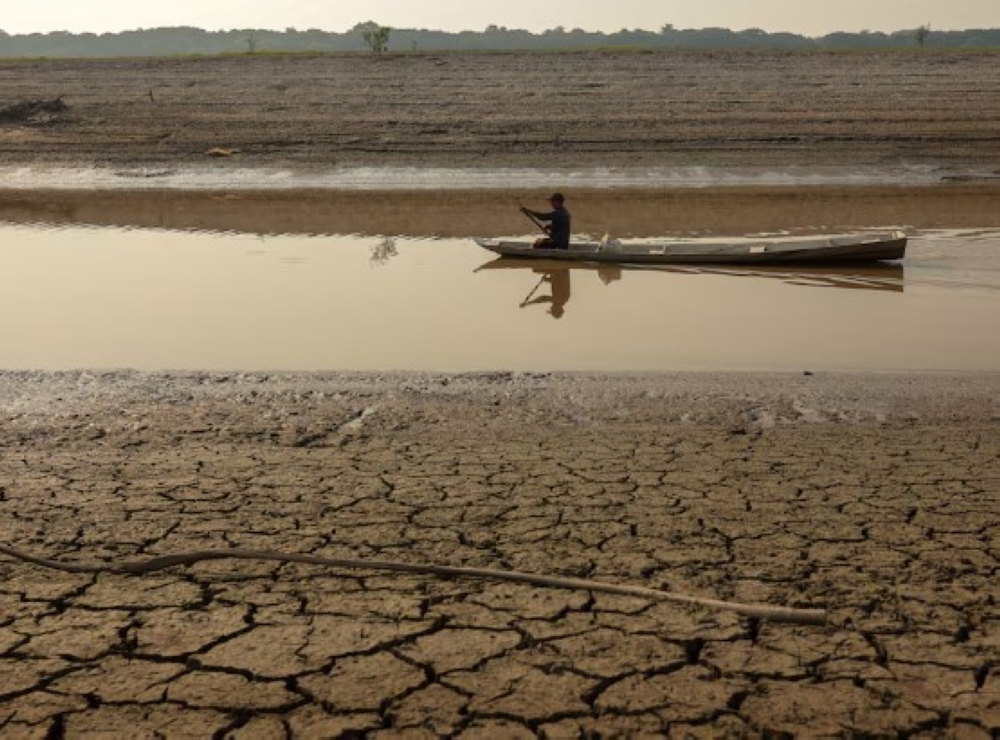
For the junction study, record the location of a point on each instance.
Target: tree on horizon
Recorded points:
(922, 33)
(376, 37)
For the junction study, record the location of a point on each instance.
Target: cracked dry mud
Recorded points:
(873, 496)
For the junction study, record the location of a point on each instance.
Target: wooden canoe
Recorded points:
(817, 250)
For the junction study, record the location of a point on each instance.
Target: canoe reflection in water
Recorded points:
(886, 278)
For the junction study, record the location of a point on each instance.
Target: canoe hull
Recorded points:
(817, 251)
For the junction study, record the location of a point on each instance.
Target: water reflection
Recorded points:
(887, 278)
(558, 281)
(380, 254)
(155, 300)
(609, 273)
(557, 278)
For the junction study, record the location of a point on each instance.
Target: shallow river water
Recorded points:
(161, 300)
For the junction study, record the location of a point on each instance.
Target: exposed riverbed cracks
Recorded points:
(891, 524)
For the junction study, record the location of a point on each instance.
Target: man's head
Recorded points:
(557, 199)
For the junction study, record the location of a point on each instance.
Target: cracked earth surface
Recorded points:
(876, 497)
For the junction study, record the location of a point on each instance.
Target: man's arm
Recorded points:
(539, 215)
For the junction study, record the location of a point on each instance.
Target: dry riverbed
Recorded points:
(552, 111)
(872, 496)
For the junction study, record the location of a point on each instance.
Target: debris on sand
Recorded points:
(33, 111)
(219, 152)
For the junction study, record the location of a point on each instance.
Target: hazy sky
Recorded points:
(810, 17)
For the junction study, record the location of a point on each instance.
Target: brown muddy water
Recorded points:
(101, 298)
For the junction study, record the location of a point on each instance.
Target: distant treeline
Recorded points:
(185, 40)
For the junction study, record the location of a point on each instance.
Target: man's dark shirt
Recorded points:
(560, 229)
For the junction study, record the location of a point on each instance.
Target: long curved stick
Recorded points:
(140, 567)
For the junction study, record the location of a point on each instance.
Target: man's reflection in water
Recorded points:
(558, 280)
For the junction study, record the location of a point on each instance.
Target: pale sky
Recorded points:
(810, 17)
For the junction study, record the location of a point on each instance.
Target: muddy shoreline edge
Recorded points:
(851, 397)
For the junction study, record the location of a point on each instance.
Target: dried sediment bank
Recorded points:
(872, 495)
(551, 111)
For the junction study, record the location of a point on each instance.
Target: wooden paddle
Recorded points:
(534, 290)
(534, 220)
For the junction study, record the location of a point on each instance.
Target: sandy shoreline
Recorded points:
(874, 496)
(862, 397)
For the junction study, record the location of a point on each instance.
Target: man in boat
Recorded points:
(558, 220)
